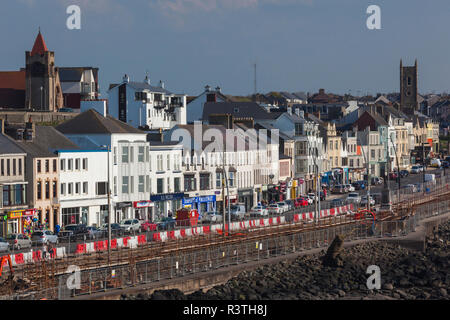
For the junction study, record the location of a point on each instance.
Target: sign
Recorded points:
(29, 213)
(142, 204)
(199, 199)
(167, 196)
(301, 181)
(15, 214)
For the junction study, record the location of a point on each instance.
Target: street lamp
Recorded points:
(108, 147)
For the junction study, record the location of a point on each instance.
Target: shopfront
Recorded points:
(123, 211)
(14, 222)
(246, 197)
(163, 203)
(29, 219)
(142, 209)
(201, 204)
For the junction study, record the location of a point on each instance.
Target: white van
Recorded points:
(435, 163)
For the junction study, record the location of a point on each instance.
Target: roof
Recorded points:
(92, 122)
(282, 156)
(300, 95)
(39, 46)
(8, 146)
(46, 141)
(70, 74)
(12, 80)
(237, 109)
(142, 86)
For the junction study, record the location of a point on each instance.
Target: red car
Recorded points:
(301, 202)
(148, 226)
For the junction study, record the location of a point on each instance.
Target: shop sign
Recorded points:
(301, 181)
(245, 193)
(29, 213)
(165, 197)
(199, 199)
(142, 204)
(15, 214)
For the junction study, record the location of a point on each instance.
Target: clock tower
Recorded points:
(43, 88)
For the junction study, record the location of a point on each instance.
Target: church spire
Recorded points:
(39, 46)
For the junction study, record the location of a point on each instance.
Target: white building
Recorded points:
(141, 105)
(83, 187)
(129, 162)
(195, 107)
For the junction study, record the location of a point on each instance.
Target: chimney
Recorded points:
(126, 79)
(321, 91)
(289, 110)
(297, 111)
(301, 113)
(147, 80)
(161, 84)
(30, 130)
(207, 88)
(218, 89)
(2, 126)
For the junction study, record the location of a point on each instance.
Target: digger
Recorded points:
(5, 259)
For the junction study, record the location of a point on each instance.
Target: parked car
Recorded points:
(166, 223)
(421, 168)
(284, 205)
(94, 232)
(415, 169)
(4, 245)
(44, 237)
(258, 211)
(445, 164)
(301, 202)
(435, 163)
(349, 188)
(116, 229)
(237, 211)
(312, 196)
(290, 203)
(339, 188)
(131, 225)
(275, 208)
(65, 236)
(211, 217)
(359, 185)
(310, 200)
(79, 231)
(364, 201)
(404, 173)
(18, 241)
(375, 181)
(410, 188)
(353, 197)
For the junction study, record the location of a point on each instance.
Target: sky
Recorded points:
(298, 45)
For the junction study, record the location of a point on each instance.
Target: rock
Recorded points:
(341, 293)
(396, 295)
(388, 286)
(443, 292)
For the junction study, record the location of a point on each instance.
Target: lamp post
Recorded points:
(108, 147)
(398, 169)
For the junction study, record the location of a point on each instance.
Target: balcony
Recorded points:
(159, 104)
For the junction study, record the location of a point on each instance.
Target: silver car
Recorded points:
(44, 237)
(4, 245)
(19, 241)
(131, 225)
(211, 217)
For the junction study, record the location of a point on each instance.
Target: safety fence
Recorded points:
(220, 256)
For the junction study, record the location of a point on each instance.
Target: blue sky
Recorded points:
(299, 45)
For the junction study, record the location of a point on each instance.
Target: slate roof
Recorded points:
(8, 146)
(91, 122)
(237, 109)
(70, 74)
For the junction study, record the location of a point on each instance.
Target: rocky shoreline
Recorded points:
(405, 275)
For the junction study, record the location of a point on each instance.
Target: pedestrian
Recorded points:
(57, 229)
(169, 214)
(44, 252)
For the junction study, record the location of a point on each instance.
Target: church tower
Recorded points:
(43, 89)
(409, 92)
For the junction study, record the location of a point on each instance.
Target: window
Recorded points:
(63, 164)
(351, 162)
(85, 164)
(39, 190)
(85, 187)
(124, 184)
(70, 164)
(54, 165)
(38, 166)
(298, 129)
(2, 167)
(159, 159)
(168, 185)
(176, 165)
(77, 188)
(63, 189)
(55, 189)
(77, 164)
(141, 184)
(101, 188)
(47, 190)
(190, 183)
(204, 182)
(168, 162)
(160, 185)
(115, 155)
(14, 195)
(176, 185)
(70, 188)
(131, 154)
(131, 184)
(141, 151)
(47, 165)
(115, 186)
(231, 178)
(125, 154)
(218, 180)
(147, 154)
(372, 154)
(14, 167)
